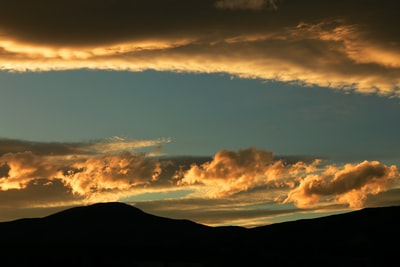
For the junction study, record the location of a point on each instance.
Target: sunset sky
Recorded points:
(238, 112)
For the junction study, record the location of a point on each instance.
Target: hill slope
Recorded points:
(116, 234)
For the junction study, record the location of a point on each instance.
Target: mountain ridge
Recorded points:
(118, 234)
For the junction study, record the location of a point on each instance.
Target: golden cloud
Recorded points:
(111, 172)
(350, 184)
(229, 172)
(23, 168)
(251, 170)
(85, 168)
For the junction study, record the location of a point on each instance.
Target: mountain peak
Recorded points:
(114, 207)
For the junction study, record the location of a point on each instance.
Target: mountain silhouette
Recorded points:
(117, 234)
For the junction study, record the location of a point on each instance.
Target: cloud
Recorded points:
(244, 4)
(4, 169)
(39, 148)
(86, 168)
(39, 193)
(253, 172)
(351, 184)
(112, 145)
(345, 46)
(111, 172)
(249, 181)
(247, 170)
(229, 172)
(24, 167)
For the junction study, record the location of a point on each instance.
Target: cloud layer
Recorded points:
(342, 45)
(33, 177)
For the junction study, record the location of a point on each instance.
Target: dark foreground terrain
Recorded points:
(116, 234)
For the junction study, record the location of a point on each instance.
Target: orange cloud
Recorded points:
(246, 170)
(350, 184)
(229, 172)
(111, 172)
(23, 167)
(253, 172)
(85, 168)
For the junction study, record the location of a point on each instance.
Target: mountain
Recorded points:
(117, 234)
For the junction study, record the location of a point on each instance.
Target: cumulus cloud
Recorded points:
(85, 168)
(350, 184)
(305, 184)
(111, 172)
(233, 167)
(345, 46)
(246, 170)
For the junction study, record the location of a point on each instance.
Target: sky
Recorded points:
(224, 112)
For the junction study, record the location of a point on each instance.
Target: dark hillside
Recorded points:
(116, 234)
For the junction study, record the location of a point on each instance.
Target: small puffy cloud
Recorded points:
(111, 172)
(350, 184)
(229, 171)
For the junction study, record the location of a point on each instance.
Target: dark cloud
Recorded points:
(77, 148)
(92, 22)
(40, 197)
(4, 169)
(40, 148)
(340, 44)
(388, 198)
(38, 193)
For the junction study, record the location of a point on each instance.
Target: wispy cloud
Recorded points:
(328, 43)
(111, 145)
